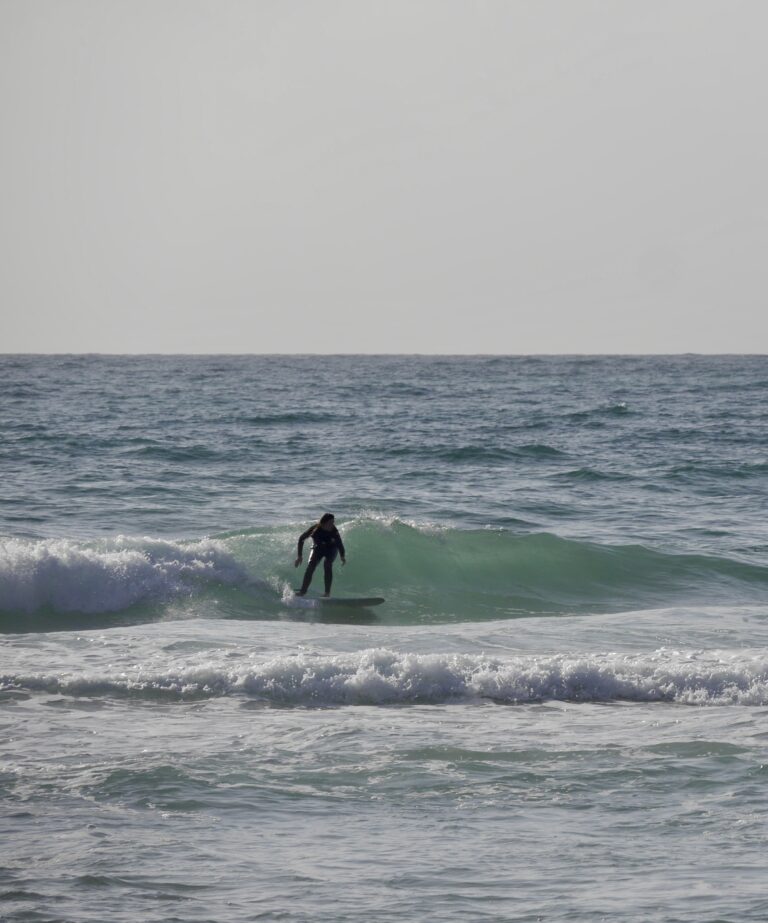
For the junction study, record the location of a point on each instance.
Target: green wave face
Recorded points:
(434, 575)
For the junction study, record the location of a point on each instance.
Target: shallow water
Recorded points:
(559, 713)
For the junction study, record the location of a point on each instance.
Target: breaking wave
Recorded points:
(427, 575)
(109, 575)
(384, 677)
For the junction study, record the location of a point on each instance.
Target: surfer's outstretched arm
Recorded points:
(302, 538)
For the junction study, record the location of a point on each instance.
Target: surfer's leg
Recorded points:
(328, 574)
(309, 572)
(330, 556)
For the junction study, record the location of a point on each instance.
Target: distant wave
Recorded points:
(474, 454)
(693, 470)
(384, 677)
(287, 417)
(190, 453)
(617, 409)
(588, 475)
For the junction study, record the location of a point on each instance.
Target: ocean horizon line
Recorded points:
(404, 355)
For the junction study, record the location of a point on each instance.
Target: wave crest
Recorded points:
(107, 576)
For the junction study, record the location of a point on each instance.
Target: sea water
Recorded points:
(560, 713)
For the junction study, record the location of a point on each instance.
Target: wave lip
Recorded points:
(380, 676)
(108, 576)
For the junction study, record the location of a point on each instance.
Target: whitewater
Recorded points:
(558, 714)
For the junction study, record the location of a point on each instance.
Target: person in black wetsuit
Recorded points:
(326, 544)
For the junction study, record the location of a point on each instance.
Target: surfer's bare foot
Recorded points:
(326, 595)
(300, 593)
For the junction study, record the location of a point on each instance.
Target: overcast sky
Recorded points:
(483, 176)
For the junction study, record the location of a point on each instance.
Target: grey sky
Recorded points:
(506, 176)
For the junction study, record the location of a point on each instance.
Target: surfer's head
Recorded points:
(326, 520)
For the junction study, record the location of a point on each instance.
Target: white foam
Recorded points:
(107, 576)
(379, 676)
(293, 601)
(389, 522)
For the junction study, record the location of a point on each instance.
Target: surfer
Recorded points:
(326, 544)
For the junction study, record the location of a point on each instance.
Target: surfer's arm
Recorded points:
(340, 546)
(302, 538)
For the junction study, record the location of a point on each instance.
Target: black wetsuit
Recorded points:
(326, 545)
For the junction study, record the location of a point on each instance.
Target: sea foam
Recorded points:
(107, 576)
(380, 676)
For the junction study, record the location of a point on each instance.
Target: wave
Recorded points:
(591, 475)
(694, 470)
(473, 454)
(287, 417)
(498, 571)
(380, 676)
(427, 574)
(541, 450)
(110, 575)
(616, 409)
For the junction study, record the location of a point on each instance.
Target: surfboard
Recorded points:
(354, 602)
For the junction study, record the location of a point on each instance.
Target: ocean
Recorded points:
(559, 714)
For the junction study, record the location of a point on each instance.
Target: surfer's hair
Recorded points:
(326, 517)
